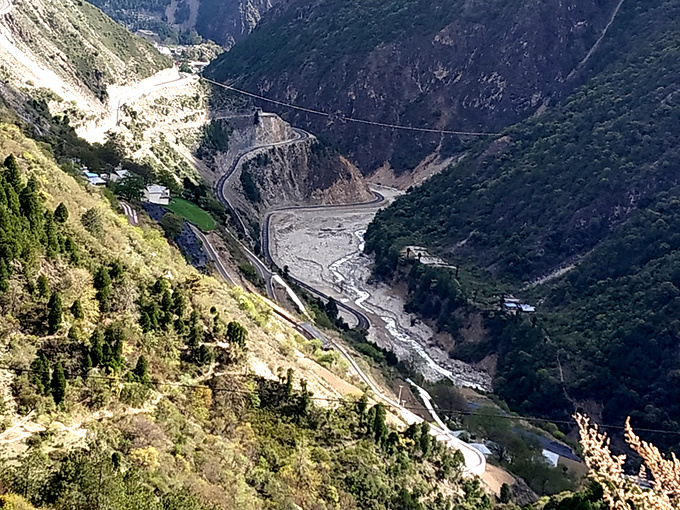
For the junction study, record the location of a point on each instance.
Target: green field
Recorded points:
(191, 212)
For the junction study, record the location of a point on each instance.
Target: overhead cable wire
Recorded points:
(344, 118)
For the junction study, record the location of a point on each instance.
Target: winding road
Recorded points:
(475, 463)
(212, 253)
(300, 136)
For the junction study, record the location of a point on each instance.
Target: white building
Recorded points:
(157, 194)
(117, 175)
(94, 179)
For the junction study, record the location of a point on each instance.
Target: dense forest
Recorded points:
(593, 184)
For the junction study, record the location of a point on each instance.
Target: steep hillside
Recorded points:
(71, 48)
(176, 20)
(128, 379)
(457, 65)
(588, 188)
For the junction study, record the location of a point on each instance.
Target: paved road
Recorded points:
(260, 267)
(129, 211)
(212, 254)
(5, 6)
(475, 462)
(300, 135)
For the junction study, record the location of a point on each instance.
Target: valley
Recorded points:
(427, 280)
(323, 247)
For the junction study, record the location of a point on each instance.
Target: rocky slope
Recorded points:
(445, 65)
(68, 51)
(286, 171)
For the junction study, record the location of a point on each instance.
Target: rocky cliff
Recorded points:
(288, 169)
(231, 21)
(458, 65)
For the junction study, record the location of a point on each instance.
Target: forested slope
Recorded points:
(593, 182)
(429, 63)
(125, 380)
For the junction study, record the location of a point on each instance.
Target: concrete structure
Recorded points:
(118, 174)
(157, 194)
(94, 179)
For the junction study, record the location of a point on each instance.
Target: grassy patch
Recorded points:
(191, 212)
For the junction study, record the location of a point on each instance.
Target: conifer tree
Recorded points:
(102, 283)
(61, 213)
(72, 249)
(178, 303)
(4, 276)
(58, 384)
(77, 310)
(30, 205)
(54, 313)
(141, 370)
(96, 348)
(379, 427)
(12, 174)
(12, 199)
(40, 369)
(237, 334)
(43, 286)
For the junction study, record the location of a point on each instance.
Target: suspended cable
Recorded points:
(347, 119)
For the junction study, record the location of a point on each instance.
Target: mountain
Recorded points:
(129, 379)
(575, 211)
(224, 22)
(452, 65)
(72, 49)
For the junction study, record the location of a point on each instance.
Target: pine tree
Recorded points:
(92, 221)
(96, 348)
(203, 355)
(58, 384)
(40, 369)
(43, 286)
(30, 204)
(72, 249)
(289, 383)
(4, 276)
(141, 370)
(51, 237)
(12, 174)
(12, 199)
(54, 313)
(77, 310)
(237, 334)
(178, 303)
(61, 213)
(379, 427)
(102, 282)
